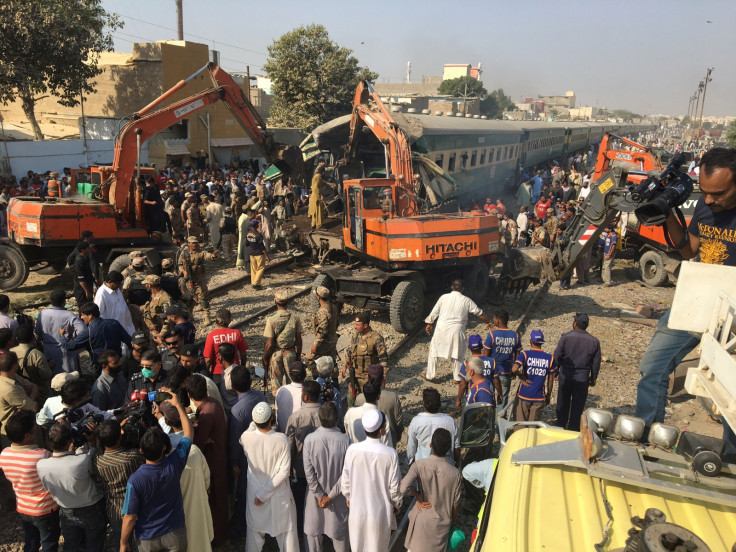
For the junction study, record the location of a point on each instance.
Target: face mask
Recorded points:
(147, 373)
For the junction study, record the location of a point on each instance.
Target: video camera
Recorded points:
(78, 420)
(657, 195)
(141, 418)
(327, 392)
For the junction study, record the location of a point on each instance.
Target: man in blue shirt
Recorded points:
(480, 389)
(101, 334)
(503, 344)
(609, 250)
(153, 502)
(537, 371)
(489, 371)
(536, 187)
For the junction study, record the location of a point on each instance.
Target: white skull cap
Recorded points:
(261, 413)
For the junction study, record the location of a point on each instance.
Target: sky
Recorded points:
(647, 56)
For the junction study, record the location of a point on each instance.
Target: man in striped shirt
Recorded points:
(37, 509)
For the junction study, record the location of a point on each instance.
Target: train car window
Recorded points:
(483, 157)
(505, 153)
(451, 162)
(498, 155)
(490, 155)
(464, 161)
(473, 158)
(440, 159)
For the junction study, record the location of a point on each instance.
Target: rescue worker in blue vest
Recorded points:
(502, 344)
(488, 371)
(537, 371)
(480, 388)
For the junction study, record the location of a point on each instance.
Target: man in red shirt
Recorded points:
(37, 509)
(223, 334)
(540, 209)
(489, 206)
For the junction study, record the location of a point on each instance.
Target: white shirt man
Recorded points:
(370, 482)
(111, 302)
(288, 400)
(269, 503)
(449, 340)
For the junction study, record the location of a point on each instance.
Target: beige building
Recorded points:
(456, 70)
(584, 112)
(129, 81)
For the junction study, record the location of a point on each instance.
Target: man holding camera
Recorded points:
(68, 477)
(710, 238)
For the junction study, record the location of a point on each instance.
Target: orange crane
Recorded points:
(410, 252)
(44, 229)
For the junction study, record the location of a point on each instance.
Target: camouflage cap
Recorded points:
(139, 261)
(281, 296)
(193, 239)
(167, 263)
(152, 279)
(134, 254)
(323, 292)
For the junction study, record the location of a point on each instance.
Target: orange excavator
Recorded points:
(657, 260)
(410, 251)
(45, 229)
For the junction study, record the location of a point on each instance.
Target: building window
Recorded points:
(440, 159)
(451, 162)
(473, 158)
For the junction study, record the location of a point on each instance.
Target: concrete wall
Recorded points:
(456, 70)
(54, 155)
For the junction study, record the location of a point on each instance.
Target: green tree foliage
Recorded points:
(626, 115)
(462, 87)
(51, 47)
(686, 120)
(504, 102)
(731, 134)
(313, 79)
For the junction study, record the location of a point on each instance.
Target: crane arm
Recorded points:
(147, 123)
(640, 155)
(368, 109)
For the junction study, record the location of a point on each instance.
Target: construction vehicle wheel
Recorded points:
(119, 263)
(653, 273)
(477, 281)
(407, 306)
(13, 268)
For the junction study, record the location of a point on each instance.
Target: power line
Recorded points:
(193, 35)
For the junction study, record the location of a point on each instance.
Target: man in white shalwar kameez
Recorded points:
(111, 302)
(449, 340)
(269, 503)
(370, 482)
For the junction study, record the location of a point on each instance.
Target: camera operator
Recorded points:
(115, 464)
(75, 401)
(710, 238)
(152, 376)
(330, 390)
(70, 480)
(153, 501)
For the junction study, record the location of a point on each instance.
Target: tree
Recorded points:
(554, 113)
(731, 134)
(502, 100)
(312, 78)
(462, 87)
(51, 47)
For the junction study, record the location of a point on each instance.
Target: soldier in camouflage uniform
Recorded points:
(194, 220)
(136, 293)
(154, 311)
(129, 270)
(191, 263)
(366, 347)
(324, 324)
(170, 280)
(283, 335)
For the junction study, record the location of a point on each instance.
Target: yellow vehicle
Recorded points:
(548, 495)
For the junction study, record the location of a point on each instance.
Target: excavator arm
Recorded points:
(147, 123)
(368, 109)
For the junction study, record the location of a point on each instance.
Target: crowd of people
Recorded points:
(167, 446)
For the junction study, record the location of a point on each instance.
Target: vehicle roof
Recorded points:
(553, 507)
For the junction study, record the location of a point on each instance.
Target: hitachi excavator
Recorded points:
(386, 224)
(45, 229)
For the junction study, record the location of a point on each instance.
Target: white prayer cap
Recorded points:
(261, 413)
(372, 420)
(325, 365)
(59, 380)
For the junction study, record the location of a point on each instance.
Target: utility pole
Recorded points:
(702, 105)
(180, 19)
